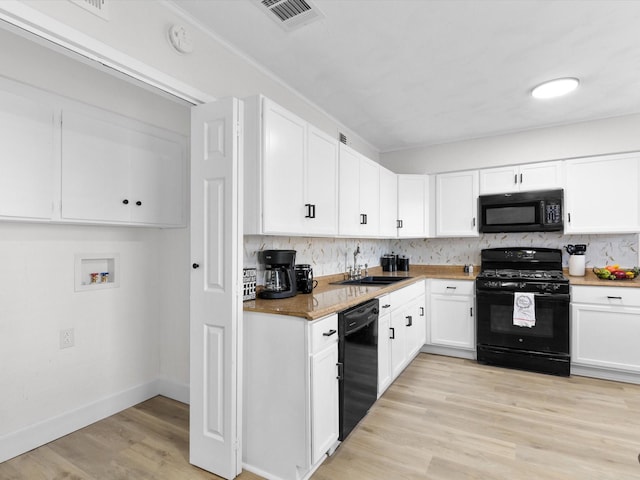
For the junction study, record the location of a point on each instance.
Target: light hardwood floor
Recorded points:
(443, 418)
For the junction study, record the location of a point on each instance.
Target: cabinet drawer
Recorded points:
(614, 296)
(452, 287)
(404, 295)
(323, 333)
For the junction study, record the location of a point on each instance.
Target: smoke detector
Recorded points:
(290, 14)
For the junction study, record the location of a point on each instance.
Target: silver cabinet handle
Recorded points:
(422, 311)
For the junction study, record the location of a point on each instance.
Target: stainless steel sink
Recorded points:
(371, 280)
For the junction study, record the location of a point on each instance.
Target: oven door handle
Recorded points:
(545, 296)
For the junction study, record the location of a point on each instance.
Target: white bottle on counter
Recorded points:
(576, 265)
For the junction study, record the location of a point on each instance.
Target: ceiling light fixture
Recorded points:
(555, 88)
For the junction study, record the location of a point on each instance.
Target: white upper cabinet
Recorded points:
(413, 202)
(515, 178)
(457, 204)
(291, 173)
(117, 170)
(388, 203)
(27, 157)
(359, 193)
(602, 194)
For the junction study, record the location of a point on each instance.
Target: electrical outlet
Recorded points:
(67, 338)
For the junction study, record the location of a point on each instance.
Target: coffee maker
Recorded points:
(279, 273)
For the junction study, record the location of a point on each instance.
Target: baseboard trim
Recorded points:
(174, 390)
(36, 435)
(605, 374)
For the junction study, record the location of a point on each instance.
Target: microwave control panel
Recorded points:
(552, 213)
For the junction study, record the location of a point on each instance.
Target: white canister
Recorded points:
(576, 265)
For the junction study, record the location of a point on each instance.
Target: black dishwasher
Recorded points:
(358, 357)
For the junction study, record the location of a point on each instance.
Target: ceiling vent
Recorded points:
(290, 14)
(97, 7)
(343, 138)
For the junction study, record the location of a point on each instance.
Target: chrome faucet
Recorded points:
(355, 262)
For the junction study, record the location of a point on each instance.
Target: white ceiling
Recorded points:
(406, 73)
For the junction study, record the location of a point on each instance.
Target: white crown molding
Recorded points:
(33, 21)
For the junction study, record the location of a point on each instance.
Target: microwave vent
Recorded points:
(290, 14)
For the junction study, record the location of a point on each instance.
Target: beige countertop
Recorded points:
(327, 299)
(591, 280)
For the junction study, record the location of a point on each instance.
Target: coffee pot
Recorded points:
(304, 278)
(279, 276)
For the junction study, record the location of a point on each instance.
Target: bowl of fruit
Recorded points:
(614, 272)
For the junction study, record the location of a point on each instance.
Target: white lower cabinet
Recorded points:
(605, 329)
(401, 331)
(290, 394)
(451, 320)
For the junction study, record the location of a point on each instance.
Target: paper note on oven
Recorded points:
(524, 310)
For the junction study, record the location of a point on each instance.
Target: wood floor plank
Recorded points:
(442, 419)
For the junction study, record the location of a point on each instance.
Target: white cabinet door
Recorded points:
(514, 178)
(26, 157)
(324, 402)
(412, 205)
(601, 195)
(451, 320)
(541, 176)
(156, 180)
(96, 179)
(457, 204)
(116, 170)
(416, 326)
(388, 203)
(606, 337)
(349, 191)
(369, 197)
(499, 180)
(384, 347)
(398, 341)
(359, 188)
(284, 138)
(321, 184)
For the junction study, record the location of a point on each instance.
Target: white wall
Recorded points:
(612, 135)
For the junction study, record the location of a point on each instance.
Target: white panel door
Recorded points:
(216, 299)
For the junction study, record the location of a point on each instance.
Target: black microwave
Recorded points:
(539, 211)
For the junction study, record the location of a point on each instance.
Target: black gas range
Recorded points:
(522, 310)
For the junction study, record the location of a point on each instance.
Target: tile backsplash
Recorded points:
(333, 255)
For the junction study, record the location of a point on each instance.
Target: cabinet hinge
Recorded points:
(236, 445)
